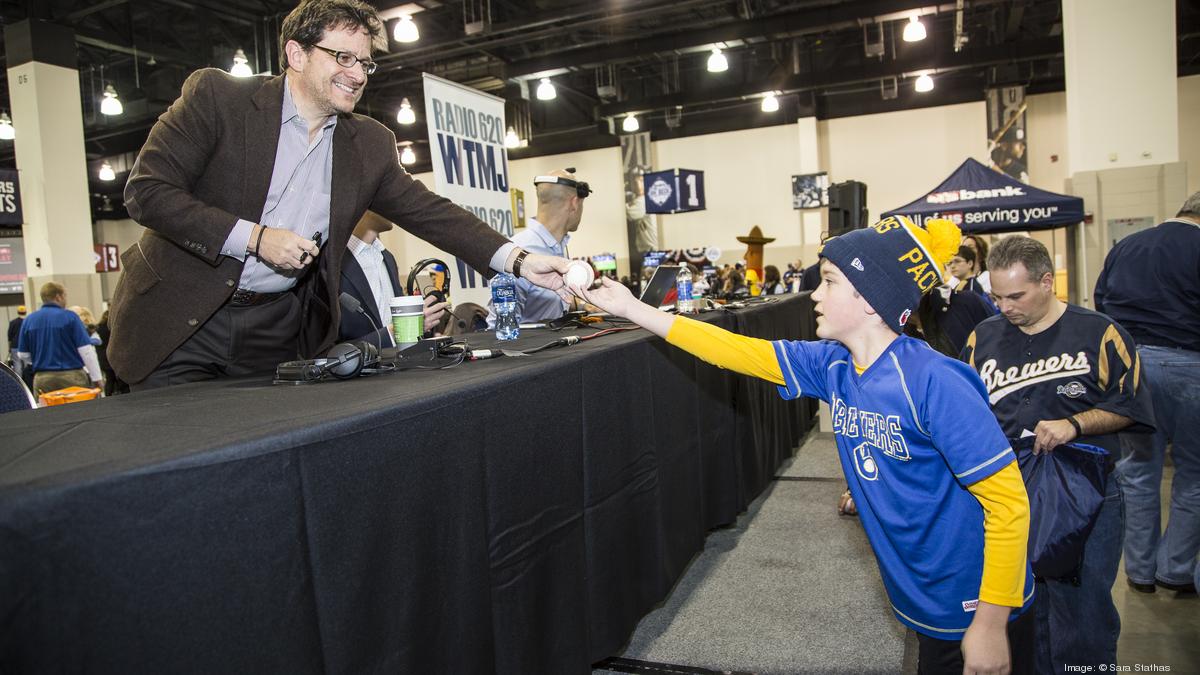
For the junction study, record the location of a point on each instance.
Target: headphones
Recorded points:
(441, 294)
(344, 361)
(581, 188)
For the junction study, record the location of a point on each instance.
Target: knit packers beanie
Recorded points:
(894, 262)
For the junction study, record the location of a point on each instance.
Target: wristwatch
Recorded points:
(517, 263)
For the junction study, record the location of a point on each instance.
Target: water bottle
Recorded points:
(683, 288)
(504, 304)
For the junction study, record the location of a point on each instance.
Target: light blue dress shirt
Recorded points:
(534, 302)
(298, 199)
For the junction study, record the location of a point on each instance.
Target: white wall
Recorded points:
(1189, 129)
(747, 182)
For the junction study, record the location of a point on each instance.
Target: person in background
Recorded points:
(14, 331)
(772, 282)
(369, 275)
(559, 211)
(113, 385)
(979, 245)
(1063, 373)
(56, 344)
(1150, 285)
(89, 322)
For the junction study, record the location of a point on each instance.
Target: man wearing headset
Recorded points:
(370, 275)
(560, 207)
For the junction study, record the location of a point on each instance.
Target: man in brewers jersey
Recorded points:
(1063, 373)
(935, 481)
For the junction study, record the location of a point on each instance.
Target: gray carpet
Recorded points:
(792, 588)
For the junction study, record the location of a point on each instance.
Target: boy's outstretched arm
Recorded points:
(746, 355)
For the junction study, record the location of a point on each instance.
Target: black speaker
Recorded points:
(849, 197)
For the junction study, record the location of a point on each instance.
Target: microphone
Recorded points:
(352, 305)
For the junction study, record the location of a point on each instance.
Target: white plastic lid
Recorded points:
(408, 301)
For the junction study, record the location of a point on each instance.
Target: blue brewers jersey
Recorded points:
(912, 432)
(1082, 361)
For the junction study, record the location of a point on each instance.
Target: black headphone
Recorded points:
(581, 188)
(344, 361)
(440, 294)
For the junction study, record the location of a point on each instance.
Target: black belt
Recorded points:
(244, 298)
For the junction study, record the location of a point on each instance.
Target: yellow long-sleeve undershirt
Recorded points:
(1002, 495)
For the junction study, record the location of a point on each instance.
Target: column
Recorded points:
(43, 86)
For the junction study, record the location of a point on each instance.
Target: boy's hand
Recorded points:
(611, 296)
(985, 644)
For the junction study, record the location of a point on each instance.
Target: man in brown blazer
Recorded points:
(249, 189)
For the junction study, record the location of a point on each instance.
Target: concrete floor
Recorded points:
(1159, 629)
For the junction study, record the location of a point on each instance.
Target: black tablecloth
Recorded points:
(517, 515)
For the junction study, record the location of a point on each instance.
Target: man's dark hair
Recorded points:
(1025, 250)
(966, 253)
(308, 22)
(981, 246)
(1191, 207)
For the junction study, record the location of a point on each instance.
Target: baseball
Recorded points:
(579, 274)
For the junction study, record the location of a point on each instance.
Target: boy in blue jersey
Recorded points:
(935, 481)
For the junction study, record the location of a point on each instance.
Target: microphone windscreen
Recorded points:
(350, 303)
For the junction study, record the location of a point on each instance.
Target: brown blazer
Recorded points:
(207, 163)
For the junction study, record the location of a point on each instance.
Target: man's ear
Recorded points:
(296, 55)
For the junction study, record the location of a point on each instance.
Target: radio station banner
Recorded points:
(10, 199)
(470, 164)
(1007, 144)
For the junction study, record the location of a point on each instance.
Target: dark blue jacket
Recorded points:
(354, 282)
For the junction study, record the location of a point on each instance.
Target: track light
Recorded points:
(546, 90)
(6, 128)
(406, 30)
(241, 65)
(770, 103)
(106, 172)
(407, 156)
(631, 123)
(924, 83)
(914, 30)
(111, 105)
(717, 63)
(406, 114)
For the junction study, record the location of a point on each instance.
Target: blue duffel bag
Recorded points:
(1066, 490)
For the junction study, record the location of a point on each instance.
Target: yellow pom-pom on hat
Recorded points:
(940, 238)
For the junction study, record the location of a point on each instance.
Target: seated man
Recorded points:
(369, 275)
(560, 207)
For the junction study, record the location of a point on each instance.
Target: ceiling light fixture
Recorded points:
(914, 30)
(406, 114)
(406, 30)
(6, 128)
(106, 172)
(241, 65)
(924, 83)
(511, 140)
(546, 90)
(111, 105)
(631, 123)
(717, 63)
(407, 156)
(770, 103)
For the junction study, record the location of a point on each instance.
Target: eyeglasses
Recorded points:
(348, 59)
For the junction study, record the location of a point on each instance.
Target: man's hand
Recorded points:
(434, 311)
(285, 250)
(1051, 434)
(985, 644)
(547, 271)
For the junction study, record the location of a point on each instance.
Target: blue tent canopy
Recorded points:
(985, 201)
